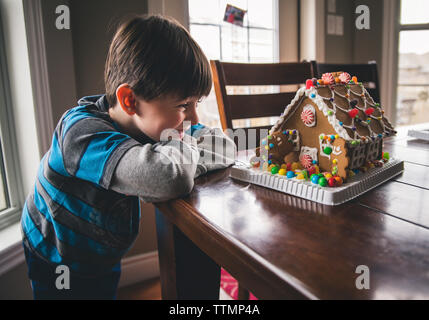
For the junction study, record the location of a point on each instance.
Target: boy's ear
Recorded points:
(126, 99)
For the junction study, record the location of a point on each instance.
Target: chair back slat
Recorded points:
(259, 105)
(237, 74)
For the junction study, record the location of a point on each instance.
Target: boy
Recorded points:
(83, 213)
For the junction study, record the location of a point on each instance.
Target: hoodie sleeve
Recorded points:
(157, 172)
(217, 151)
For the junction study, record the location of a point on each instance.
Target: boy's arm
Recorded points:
(217, 151)
(157, 172)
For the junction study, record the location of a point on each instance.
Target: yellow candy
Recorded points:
(267, 147)
(282, 172)
(337, 136)
(295, 166)
(300, 176)
(335, 161)
(284, 166)
(317, 169)
(328, 175)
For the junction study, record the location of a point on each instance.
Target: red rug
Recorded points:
(230, 285)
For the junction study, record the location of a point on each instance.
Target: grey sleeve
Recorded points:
(158, 172)
(217, 150)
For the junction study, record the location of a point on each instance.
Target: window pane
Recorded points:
(414, 11)
(260, 13)
(234, 44)
(413, 105)
(413, 57)
(208, 39)
(413, 78)
(203, 11)
(261, 45)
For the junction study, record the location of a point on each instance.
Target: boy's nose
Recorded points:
(192, 115)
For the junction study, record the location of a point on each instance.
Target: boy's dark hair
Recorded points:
(156, 56)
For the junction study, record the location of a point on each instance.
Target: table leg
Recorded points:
(186, 271)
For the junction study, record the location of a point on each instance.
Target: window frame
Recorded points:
(13, 188)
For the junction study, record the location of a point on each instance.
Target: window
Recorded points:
(413, 66)
(10, 190)
(255, 42)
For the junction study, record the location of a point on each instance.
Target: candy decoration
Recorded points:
(308, 116)
(327, 175)
(323, 182)
(327, 150)
(300, 176)
(306, 161)
(282, 172)
(308, 84)
(386, 156)
(344, 77)
(314, 81)
(328, 78)
(369, 111)
(315, 179)
(332, 182)
(275, 170)
(353, 103)
(338, 180)
(353, 113)
(313, 95)
(354, 79)
(290, 174)
(271, 145)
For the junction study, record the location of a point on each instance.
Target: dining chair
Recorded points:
(366, 73)
(247, 106)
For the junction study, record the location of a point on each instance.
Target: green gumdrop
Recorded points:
(327, 150)
(323, 182)
(386, 155)
(275, 170)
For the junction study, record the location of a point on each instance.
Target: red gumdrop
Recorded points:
(309, 84)
(332, 182)
(289, 166)
(311, 170)
(353, 113)
(369, 111)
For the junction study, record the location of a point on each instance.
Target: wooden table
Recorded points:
(283, 247)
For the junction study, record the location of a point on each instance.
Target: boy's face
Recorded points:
(169, 112)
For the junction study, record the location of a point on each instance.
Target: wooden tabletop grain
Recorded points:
(279, 246)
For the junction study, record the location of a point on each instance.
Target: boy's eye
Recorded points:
(183, 105)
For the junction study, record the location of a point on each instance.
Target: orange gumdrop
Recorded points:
(354, 79)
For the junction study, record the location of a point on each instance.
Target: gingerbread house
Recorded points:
(333, 123)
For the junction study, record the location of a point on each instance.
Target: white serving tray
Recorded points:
(419, 134)
(356, 186)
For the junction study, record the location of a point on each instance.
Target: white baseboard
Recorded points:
(139, 268)
(11, 257)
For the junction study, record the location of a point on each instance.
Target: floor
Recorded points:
(151, 290)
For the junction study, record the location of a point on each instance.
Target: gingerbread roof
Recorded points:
(347, 105)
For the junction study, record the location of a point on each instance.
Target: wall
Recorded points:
(355, 46)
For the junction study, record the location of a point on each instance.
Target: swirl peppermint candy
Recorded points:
(308, 116)
(328, 78)
(345, 77)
